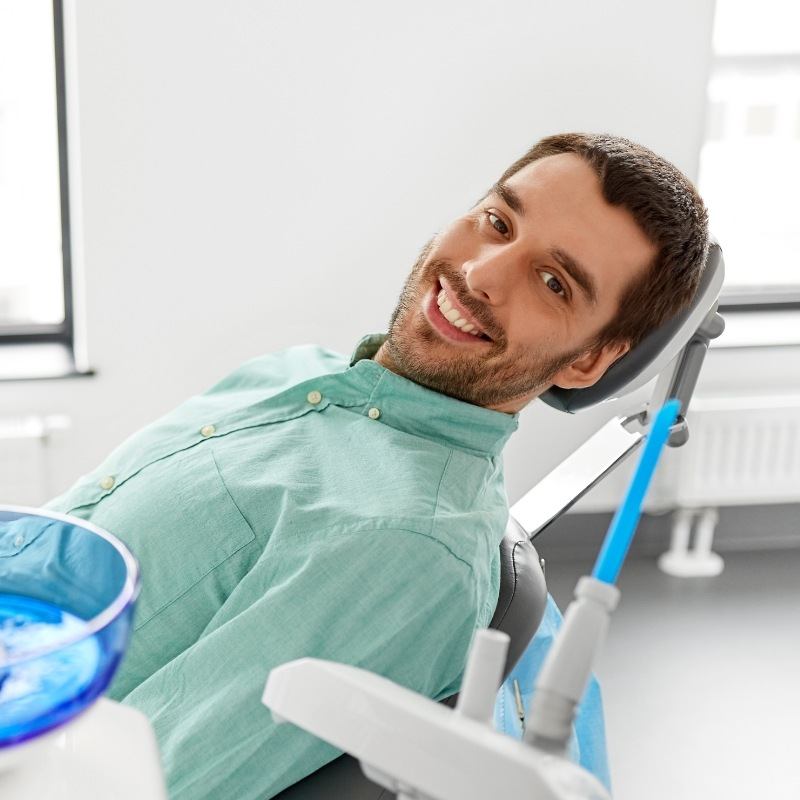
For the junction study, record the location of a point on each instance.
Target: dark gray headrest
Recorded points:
(654, 352)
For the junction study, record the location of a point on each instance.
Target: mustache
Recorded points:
(455, 280)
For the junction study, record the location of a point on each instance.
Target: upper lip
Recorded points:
(451, 296)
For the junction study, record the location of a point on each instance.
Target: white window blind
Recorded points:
(750, 162)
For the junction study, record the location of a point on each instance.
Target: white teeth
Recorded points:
(452, 316)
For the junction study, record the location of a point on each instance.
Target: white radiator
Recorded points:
(24, 458)
(741, 451)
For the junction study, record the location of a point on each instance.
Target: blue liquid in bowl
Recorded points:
(38, 693)
(67, 596)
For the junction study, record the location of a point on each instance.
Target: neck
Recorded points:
(512, 406)
(385, 360)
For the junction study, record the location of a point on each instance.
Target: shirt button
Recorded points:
(314, 397)
(374, 413)
(107, 482)
(19, 541)
(207, 430)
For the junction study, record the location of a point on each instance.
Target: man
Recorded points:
(307, 506)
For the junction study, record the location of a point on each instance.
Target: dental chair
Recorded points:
(674, 353)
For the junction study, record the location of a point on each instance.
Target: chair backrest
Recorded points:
(520, 607)
(523, 592)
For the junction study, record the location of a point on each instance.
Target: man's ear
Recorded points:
(590, 367)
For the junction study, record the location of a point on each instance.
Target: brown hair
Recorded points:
(665, 205)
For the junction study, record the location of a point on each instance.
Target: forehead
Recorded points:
(564, 206)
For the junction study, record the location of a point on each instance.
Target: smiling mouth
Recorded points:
(451, 319)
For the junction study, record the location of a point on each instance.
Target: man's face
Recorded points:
(504, 301)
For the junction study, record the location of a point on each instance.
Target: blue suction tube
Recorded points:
(562, 680)
(623, 526)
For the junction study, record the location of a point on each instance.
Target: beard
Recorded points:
(487, 377)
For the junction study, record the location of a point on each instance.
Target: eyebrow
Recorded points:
(509, 197)
(568, 263)
(578, 273)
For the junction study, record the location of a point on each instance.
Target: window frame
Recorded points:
(773, 298)
(62, 333)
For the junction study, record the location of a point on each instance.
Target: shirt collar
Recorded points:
(417, 410)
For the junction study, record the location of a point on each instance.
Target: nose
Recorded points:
(490, 275)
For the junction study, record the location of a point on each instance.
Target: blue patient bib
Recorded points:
(588, 744)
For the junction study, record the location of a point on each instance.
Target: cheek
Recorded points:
(536, 326)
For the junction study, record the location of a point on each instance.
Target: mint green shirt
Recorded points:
(303, 506)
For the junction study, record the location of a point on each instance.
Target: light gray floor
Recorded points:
(701, 679)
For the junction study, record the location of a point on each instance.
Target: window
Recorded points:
(750, 162)
(35, 278)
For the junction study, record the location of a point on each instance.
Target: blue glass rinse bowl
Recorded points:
(67, 595)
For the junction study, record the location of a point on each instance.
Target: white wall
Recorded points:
(257, 174)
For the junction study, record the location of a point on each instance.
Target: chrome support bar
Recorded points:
(578, 473)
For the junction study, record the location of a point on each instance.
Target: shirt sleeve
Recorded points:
(394, 602)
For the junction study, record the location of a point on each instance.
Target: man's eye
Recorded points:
(497, 223)
(553, 283)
